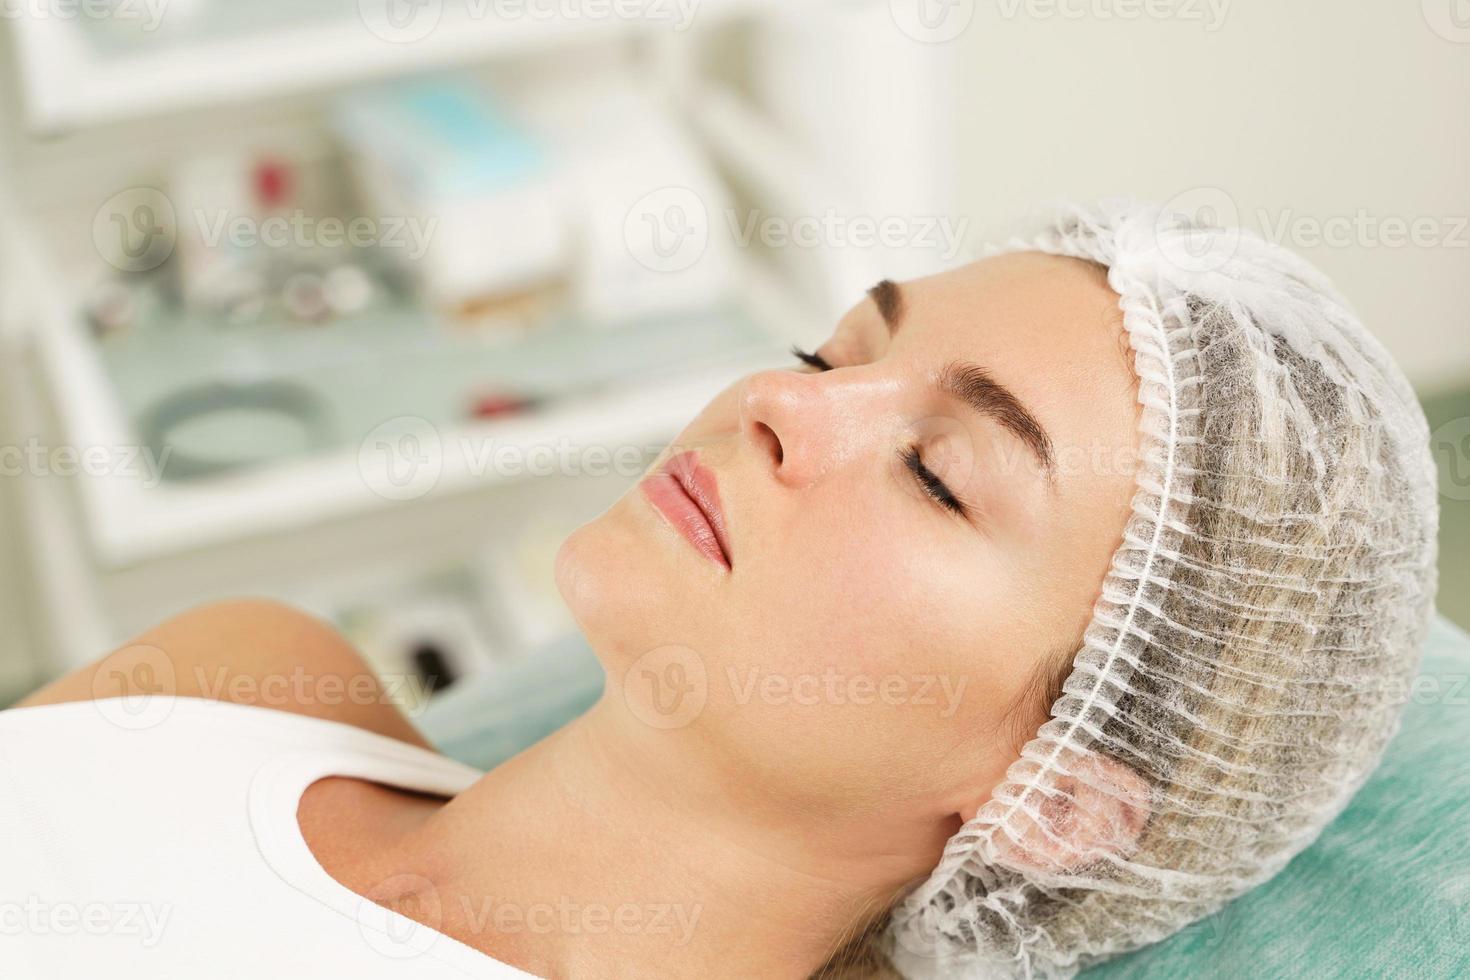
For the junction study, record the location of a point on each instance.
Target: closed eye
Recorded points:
(934, 488)
(810, 359)
(932, 485)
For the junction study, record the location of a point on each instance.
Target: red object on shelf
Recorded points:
(497, 404)
(272, 183)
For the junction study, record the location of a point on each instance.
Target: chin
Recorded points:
(602, 574)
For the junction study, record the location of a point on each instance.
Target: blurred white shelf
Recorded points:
(81, 71)
(129, 518)
(109, 553)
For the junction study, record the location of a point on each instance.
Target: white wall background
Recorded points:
(1301, 111)
(16, 654)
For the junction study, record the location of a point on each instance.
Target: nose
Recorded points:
(802, 426)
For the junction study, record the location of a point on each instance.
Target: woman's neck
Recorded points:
(599, 848)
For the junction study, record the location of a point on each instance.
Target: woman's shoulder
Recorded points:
(250, 651)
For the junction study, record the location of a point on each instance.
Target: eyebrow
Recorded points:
(973, 385)
(889, 299)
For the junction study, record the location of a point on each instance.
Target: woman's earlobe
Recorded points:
(1096, 808)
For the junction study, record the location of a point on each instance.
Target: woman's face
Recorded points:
(910, 545)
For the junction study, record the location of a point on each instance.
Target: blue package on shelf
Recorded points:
(490, 197)
(442, 138)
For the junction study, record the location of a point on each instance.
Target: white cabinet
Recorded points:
(106, 549)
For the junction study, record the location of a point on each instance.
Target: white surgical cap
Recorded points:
(1256, 633)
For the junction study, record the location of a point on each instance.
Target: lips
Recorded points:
(687, 496)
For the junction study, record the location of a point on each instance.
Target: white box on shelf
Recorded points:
(478, 204)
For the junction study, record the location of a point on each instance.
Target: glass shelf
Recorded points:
(402, 361)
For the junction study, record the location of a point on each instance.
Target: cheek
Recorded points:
(892, 597)
(924, 655)
(720, 417)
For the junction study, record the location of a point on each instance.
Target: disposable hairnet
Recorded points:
(1256, 633)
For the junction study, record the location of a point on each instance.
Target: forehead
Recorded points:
(1019, 305)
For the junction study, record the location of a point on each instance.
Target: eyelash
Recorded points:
(932, 486)
(810, 359)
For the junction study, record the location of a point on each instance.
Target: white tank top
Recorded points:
(158, 839)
